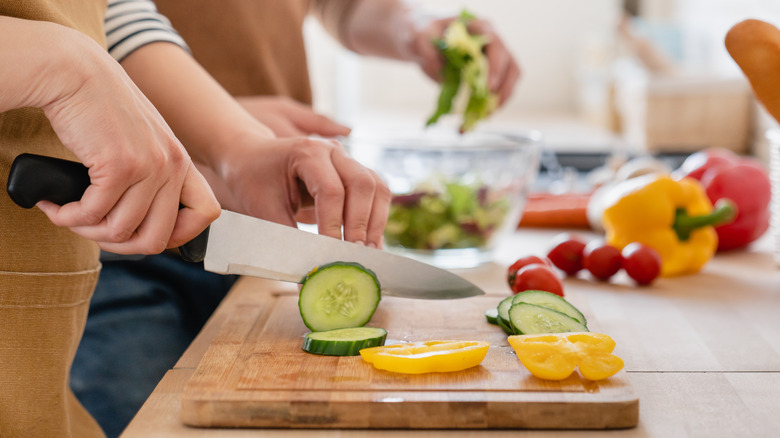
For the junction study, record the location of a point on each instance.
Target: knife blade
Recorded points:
(240, 244)
(244, 245)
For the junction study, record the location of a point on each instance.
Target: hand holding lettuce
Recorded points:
(464, 63)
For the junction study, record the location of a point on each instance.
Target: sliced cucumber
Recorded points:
(506, 326)
(503, 308)
(551, 301)
(492, 316)
(503, 315)
(531, 319)
(338, 295)
(344, 342)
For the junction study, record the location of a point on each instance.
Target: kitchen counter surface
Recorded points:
(701, 351)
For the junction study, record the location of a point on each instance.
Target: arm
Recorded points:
(270, 178)
(139, 171)
(131, 24)
(398, 30)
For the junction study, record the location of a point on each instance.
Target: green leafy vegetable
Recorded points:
(464, 63)
(460, 216)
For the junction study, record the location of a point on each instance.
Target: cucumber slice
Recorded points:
(344, 342)
(531, 319)
(503, 307)
(551, 301)
(492, 316)
(503, 315)
(506, 326)
(338, 295)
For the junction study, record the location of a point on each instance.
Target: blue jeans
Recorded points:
(144, 314)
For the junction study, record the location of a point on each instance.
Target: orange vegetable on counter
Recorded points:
(426, 356)
(555, 356)
(547, 210)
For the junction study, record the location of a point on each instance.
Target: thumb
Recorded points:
(199, 208)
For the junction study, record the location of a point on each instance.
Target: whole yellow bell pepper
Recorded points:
(426, 356)
(555, 356)
(675, 217)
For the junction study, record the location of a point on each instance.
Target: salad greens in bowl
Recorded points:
(454, 196)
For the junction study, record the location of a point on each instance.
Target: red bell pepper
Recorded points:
(724, 174)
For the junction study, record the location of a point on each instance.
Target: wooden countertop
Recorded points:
(701, 351)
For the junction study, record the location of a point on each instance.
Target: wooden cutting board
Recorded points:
(255, 374)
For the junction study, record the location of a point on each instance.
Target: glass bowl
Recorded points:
(454, 196)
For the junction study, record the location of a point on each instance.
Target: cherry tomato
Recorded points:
(641, 262)
(566, 254)
(602, 260)
(522, 261)
(538, 276)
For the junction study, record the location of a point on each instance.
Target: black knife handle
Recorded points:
(34, 178)
(194, 251)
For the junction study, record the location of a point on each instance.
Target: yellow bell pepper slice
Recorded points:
(426, 356)
(555, 356)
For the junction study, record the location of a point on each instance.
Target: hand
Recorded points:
(289, 118)
(503, 69)
(250, 170)
(139, 171)
(277, 179)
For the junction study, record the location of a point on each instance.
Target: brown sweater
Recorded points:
(254, 47)
(47, 274)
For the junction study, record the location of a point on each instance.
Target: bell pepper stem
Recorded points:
(724, 211)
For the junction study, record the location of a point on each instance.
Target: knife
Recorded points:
(244, 245)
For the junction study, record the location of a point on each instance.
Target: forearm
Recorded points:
(201, 113)
(37, 62)
(139, 172)
(383, 28)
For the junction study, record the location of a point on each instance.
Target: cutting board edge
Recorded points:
(529, 413)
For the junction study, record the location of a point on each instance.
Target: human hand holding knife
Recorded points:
(240, 244)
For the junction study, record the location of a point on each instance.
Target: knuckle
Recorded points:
(119, 234)
(89, 217)
(383, 193)
(157, 246)
(151, 245)
(125, 170)
(308, 146)
(358, 226)
(174, 158)
(331, 192)
(178, 158)
(363, 181)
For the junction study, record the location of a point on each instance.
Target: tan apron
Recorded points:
(253, 47)
(250, 47)
(47, 274)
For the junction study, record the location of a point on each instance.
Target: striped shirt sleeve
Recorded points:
(132, 24)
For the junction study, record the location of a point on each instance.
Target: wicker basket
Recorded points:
(683, 115)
